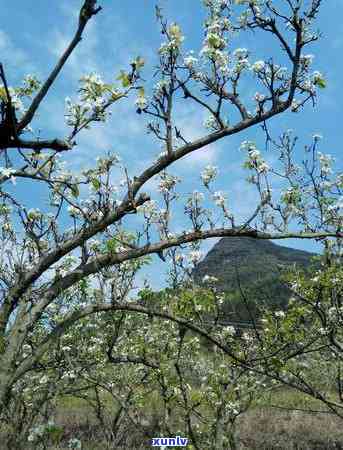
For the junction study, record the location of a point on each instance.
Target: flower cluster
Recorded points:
(318, 79)
(209, 174)
(219, 199)
(211, 123)
(41, 432)
(190, 61)
(34, 214)
(141, 101)
(306, 60)
(215, 42)
(255, 160)
(325, 161)
(161, 87)
(196, 197)
(258, 66)
(167, 182)
(208, 279)
(95, 97)
(195, 256)
(148, 209)
(8, 172)
(92, 87)
(175, 39)
(75, 443)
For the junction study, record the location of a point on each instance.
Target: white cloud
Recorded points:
(14, 58)
(203, 156)
(4, 40)
(84, 57)
(106, 35)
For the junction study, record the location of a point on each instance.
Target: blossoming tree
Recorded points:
(142, 378)
(43, 262)
(306, 339)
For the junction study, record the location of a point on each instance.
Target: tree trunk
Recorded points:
(231, 438)
(6, 380)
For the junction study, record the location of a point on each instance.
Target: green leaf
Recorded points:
(214, 41)
(115, 95)
(2, 345)
(96, 184)
(75, 190)
(83, 284)
(139, 63)
(195, 396)
(3, 95)
(175, 31)
(321, 83)
(125, 79)
(111, 245)
(55, 434)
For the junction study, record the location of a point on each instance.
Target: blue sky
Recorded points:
(33, 34)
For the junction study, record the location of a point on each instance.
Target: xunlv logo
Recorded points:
(169, 442)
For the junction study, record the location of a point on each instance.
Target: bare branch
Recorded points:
(88, 10)
(55, 144)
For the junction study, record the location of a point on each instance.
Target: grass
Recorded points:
(285, 427)
(263, 427)
(269, 429)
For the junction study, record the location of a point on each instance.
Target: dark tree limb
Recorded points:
(58, 145)
(88, 10)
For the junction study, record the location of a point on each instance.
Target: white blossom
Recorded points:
(211, 123)
(198, 196)
(179, 257)
(219, 198)
(240, 53)
(195, 256)
(44, 379)
(247, 145)
(295, 106)
(34, 214)
(230, 330)
(259, 97)
(73, 211)
(208, 279)
(190, 61)
(258, 66)
(318, 78)
(160, 87)
(306, 60)
(175, 40)
(209, 174)
(338, 205)
(7, 171)
(149, 208)
(75, 444)
(167, 183)
(141, 102)
(325, 161)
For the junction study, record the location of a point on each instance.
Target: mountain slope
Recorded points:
(255, 263)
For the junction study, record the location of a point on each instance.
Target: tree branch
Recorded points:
(55, 144)
(88, 10)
